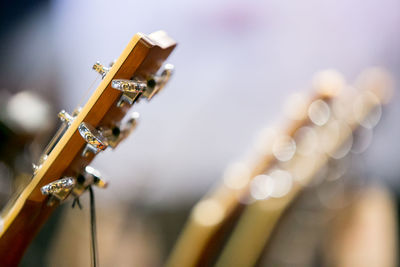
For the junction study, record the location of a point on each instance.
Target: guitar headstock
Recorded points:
(103, 121)
(63, 169)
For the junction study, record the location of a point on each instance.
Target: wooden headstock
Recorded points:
(73, 149)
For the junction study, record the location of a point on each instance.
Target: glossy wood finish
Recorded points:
(22, 219)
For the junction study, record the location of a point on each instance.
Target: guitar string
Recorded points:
(87, 92)
(93, 228)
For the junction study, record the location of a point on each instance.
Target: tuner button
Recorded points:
(59, 189)
(95, 177)
(156, 83)
(119, 133)
(168, 70)
(128, 86)
(99, 68)
(133, 117)
(94, 139)
(131, 89)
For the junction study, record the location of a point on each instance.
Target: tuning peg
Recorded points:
(131, 90)
(155, 84)
(94, 176)
(168, 70)
(90, 176)
(101, 69)
(59, 189)
(62, 188)
(118, 133)
(95, 140)
(129, 86)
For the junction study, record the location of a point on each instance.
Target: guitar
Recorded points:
(233, 223)
(63, 170)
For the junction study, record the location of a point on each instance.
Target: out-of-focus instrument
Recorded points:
(258, 190)
(63, 170)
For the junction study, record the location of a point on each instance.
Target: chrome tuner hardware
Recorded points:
(94, 177)
(37, 167)
(95, 140)
(90, 176)
(131, 90)
(128, 86)
(117, 134)
(155, 84)
(65, 117)
(59, 189)
(101, 69)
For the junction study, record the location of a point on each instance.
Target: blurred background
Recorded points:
(237, 62)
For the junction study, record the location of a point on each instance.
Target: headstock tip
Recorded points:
(328, 83)
(162, 39)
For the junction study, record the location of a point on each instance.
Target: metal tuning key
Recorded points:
(95, 140)
(128, 86)
(59, 189)
(131, 89)
(90, 176)
(118, 133)
(156, 83)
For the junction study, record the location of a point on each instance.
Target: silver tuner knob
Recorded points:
(101, 69)
(129, 86)
(131, 89)
(167, 71)
(119, 133)
(60, 189)
(65, 117)
(94, 177)
(156, 83)
(95, 140)
(89, 176)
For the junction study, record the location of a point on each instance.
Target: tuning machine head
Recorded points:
(95, 140)
(133, 89)
(90, 176)
(156, 83)
(61, 189)
(119, 132)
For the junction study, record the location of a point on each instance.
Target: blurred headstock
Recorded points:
(322, 132)
(319, 128)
